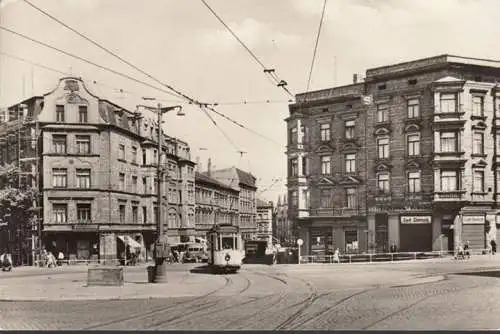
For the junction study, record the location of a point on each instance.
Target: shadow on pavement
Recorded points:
(490, 273)
(206, 269)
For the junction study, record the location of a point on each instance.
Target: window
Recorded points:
(477, 106)
(414, 182)
(155, 214)
(413, 108)
(325, 165)
(294, 167)
(59, 177)
(448, 103)
(134, 184)
(59, 113)
(134, 154)
(383, 183)
(155, 156)
(155, 185)
(82, 144)
(122, 182)
(413, 144)
(135, 214)
(295, 199)
(83, 213)
(325, 198)
(144, 185)
(350, 163)
(382, 113)
(383, 148)
(82, 114)
(351, 197)
(83, 178)
(449, 180)
(478, 181)
(349, 129)
(121, 152)
(325, 131)
(122, 213)
(303, 132)
(478, 143)
(293, 135)
(144, 160)
(449, 142)
(144, 215)
(60, 213)
(59, 143)
(190, 191)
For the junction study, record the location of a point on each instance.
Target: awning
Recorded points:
(129, 241)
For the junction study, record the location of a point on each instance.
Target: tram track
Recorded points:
(134, 317)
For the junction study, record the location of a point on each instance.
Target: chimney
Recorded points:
(198, 164)
(209, 167)
(355, 78)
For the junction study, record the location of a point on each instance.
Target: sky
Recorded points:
(183, 44)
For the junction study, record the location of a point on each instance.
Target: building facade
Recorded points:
(245, 184)
(95, 165)
(265, 221)
(406, 158)
(216, 203)
(283, 230)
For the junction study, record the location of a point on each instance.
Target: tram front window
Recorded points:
(228, 243)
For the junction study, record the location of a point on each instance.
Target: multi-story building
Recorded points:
(244, 183)
(265, 221)
(283, 230)
(95, 164)
(216, 203)
(408, 157)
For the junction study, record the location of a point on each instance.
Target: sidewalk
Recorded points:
(72, 286)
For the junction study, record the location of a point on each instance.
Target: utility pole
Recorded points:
(160, 253)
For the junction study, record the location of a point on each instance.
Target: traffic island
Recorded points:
(105, 276)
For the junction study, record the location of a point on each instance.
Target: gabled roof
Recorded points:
(202, 177)
(246, 178)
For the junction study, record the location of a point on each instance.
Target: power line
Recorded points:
(219, 128)
(315, 45)
(85, 60)
(191, 100)
(270, 72)
(34, 63)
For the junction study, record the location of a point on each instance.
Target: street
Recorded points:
(438, 294)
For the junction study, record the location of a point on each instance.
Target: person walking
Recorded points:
(60, 258)
(493, 244)
(336, 256)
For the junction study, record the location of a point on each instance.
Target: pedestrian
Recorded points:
(6, 261)
(60, 258)
(336, 256)
(493, 244)
(466, 249)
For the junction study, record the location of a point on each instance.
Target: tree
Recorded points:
(16, 205)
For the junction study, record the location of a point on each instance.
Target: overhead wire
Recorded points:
(271, 72)
(315, 45)
(191, 100)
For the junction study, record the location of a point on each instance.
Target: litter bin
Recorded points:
(151, 274)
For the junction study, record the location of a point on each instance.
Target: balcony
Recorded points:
(456, 157)
(335, 212)
(480, 197)
(449, 196)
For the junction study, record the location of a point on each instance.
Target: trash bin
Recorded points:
(151, 274)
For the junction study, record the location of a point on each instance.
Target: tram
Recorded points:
(225, 248)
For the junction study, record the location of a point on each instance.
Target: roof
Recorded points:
(202, 177)
(246, 178)
(263, 204)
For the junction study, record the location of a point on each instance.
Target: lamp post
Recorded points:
(160, 248)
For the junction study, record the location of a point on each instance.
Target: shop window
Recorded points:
(351, 241)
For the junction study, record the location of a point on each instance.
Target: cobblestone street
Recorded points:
(438, 294)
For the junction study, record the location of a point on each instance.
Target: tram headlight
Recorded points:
(227, 257)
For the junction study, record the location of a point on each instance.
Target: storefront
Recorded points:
(415, 233)
(381, 232)
(473, 231)
(74, 245)
(350, 237)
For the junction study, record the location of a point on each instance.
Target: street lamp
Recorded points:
(160, 248)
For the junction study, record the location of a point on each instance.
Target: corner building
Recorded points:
(95, 165)
(406, 158)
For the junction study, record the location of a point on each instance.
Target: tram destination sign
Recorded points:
(416, 219)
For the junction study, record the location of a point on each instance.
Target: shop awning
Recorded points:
(129, 241)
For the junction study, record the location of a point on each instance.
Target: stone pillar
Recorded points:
(436, 233)
(107, 246)
(371, 229)
(393, 229)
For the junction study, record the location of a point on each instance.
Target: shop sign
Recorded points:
(476, 220)
(416, 219)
